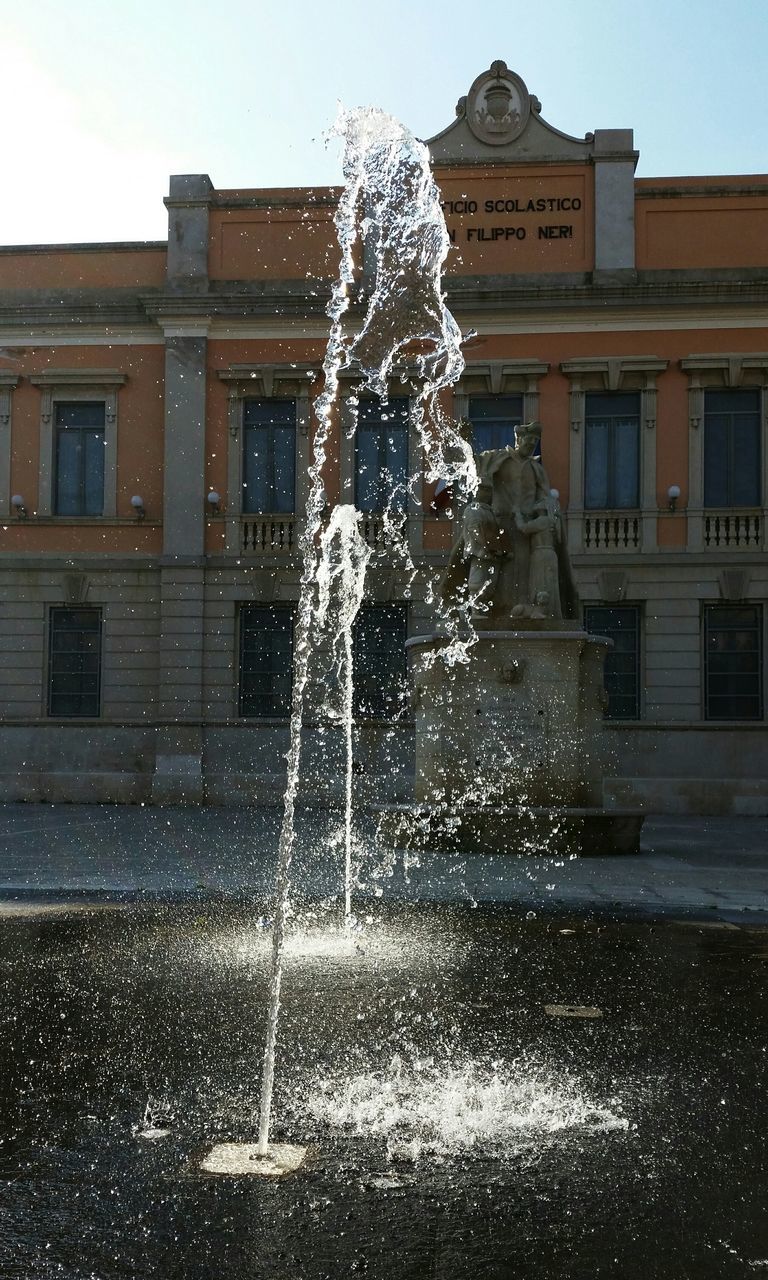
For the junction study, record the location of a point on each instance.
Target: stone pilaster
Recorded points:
(188, 203)
(178, 766)
(614, 161)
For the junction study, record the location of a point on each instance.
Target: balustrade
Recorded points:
(611, 532)
(268, 534)
(733, 530)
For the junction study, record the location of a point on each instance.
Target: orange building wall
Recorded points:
(703, 223)
(289, 236)
(57, 267)
(139, 449)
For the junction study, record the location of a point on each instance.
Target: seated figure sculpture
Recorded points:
(531, 571)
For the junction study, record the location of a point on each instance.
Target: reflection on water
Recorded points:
(458, 1130)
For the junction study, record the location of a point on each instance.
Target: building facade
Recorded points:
(156, 419)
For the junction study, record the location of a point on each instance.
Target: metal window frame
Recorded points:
(72, 608)
(708, 608)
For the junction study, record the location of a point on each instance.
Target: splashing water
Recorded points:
(457, 1108)
(391, 202)
(341, 582)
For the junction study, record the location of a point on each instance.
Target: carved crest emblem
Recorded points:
(498, 105)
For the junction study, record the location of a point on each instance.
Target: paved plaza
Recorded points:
(714, 868)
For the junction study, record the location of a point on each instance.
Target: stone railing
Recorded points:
(380, 533)
(602, 531)
(269, 535)
(733, 530)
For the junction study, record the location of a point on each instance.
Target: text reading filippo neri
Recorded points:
(542, 228)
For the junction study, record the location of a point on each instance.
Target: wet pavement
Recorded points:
(716, 867)
(486, 1092)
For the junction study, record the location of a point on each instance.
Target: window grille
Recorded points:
(74, 662)
(379, 661)
(733, 662)
(621, 624)
(266, 661)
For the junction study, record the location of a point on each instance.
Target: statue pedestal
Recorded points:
(510, 746)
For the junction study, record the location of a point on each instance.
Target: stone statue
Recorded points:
(520, 567)
(484, 546)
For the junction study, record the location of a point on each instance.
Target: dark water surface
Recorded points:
(101, 1011)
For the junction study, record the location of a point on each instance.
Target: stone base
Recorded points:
(511, 830)
(241, 1159)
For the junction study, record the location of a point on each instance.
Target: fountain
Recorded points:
(508, 692)
(510, 745)
(391, 199)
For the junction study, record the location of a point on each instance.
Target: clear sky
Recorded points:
(100, 101)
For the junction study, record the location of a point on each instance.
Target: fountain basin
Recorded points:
(509, 1140)
(510, 746)
(510, 829)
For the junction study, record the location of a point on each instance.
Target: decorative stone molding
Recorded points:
(612, 585)
(737, 369)
(264, 586)
(280, 382)
(277, 382)
(7, 383)
(614, 373)
(734, 584)
(78, 384)
(76, 588)
(501, 378)
(497, 106)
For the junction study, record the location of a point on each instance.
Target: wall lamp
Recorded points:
(213, 503)
(137, 502)
(19, 508)
(673, 493)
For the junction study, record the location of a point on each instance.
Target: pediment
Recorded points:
(500, 122)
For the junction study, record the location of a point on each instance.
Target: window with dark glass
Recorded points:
(494, 419)
(74, 662)
(621, 624)
(269, 456)
(79, 458)
(266, 660)
(733, 662)
(732, 448)
(381, 455)
(611, 451)
(379, 661)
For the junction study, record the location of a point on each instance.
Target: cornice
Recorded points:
(287, 300)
